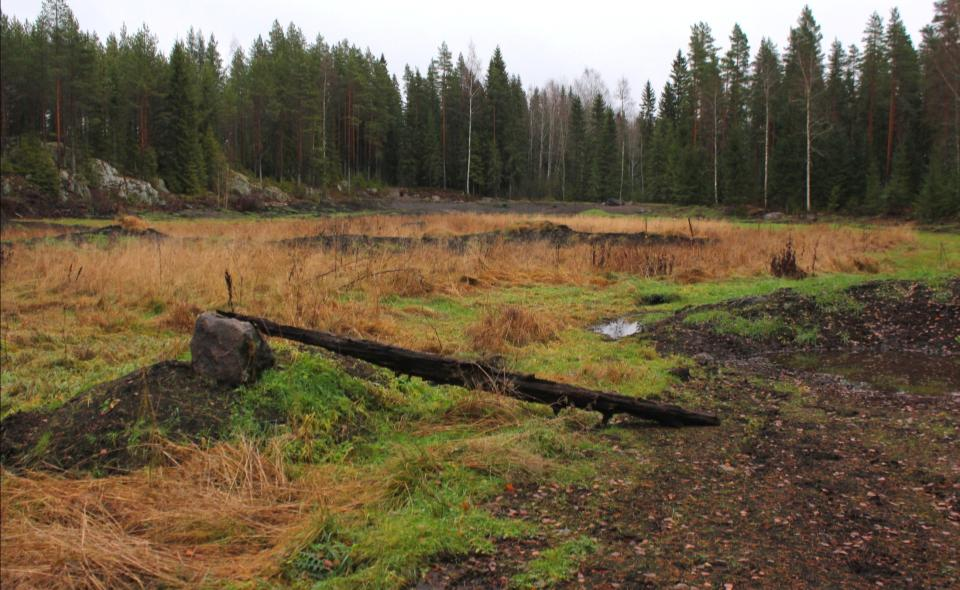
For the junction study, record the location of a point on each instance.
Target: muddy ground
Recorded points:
(812, 480)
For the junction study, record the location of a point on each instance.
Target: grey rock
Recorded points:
(132, 190)
(238, 184)
(274, 196)
(773, 216)
(228, 350)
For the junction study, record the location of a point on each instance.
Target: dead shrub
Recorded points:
(132, 223)
(615, 372)
(181, 317)
(505, 455)
(481, 411)
(408, 283)
(510, 325)
(691, 276)
(784, 263)
(864, 264)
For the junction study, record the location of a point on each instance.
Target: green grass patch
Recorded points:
(723, 322)
(555, 565)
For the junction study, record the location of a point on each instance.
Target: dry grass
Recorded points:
(44, 291)
(509, 325)
(227, 512)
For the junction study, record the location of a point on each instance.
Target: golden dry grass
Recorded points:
(225, 512)
(132, 223)
(307, 285)
(511, 325)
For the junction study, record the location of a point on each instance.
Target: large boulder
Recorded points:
(228, 350)
(238, 184)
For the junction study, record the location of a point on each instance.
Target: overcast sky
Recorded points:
(556, 39)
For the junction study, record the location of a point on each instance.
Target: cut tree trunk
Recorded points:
(451, 371)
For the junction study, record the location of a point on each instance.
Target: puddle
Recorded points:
(890, 372)
(617, 329)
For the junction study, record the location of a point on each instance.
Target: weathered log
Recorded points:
(451, 371)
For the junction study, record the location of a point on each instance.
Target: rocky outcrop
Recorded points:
(132, 190)
(240, 185)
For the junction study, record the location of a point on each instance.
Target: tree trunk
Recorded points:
(451, 371)
(809, 145)
(716, 187)
(59, 122)
(469, 135)
(443, 131)
(766, 148)
(623, 153)
(891, 124)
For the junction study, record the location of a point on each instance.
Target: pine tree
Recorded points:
(765, 90)
(705, 98)
(836, 145)
(735, 156)
(873, 88)
(804, 78)
(901, 165)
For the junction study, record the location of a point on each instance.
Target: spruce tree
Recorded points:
(181, 156)
(734, 132)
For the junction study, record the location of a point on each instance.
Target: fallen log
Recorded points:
(479, 375)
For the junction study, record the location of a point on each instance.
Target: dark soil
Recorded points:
(557, 234)
(110, 427)
(878, 315)
(109, 233)
(828, 488)
(811, 481)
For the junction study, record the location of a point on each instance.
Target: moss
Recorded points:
(724, 322)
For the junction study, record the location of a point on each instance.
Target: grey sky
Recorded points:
(539, 40)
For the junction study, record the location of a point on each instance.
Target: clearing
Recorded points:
(836, 463)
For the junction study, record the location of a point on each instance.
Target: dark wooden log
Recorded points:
(451, 371)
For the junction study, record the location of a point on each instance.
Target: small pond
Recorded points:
(618, 328)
